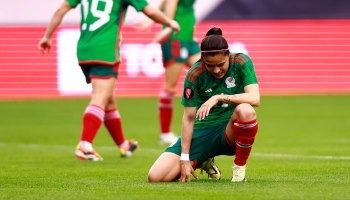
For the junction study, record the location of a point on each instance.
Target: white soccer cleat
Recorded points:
(211, 169)
(168, 138)
(84, 154)
(238, 173)
(127, 153)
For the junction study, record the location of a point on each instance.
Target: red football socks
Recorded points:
(92, 120)
(165, 111)
(113, 123)
(244, 134)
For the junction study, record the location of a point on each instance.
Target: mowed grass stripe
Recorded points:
(155, 150)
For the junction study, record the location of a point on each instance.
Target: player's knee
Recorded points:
(102, 99)
(153, 177)
(111, 103)
(245, 112)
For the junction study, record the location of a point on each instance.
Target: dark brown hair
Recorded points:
(214, 43)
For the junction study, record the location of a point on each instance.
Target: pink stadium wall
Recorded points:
(291, 57)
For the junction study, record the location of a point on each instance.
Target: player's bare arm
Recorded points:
(45, 43)
(251, 96)
(159, 17)
(186, 138)
(204, 110)
(147, 24)
(170, 9)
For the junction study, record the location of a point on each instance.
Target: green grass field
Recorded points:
(302, 151)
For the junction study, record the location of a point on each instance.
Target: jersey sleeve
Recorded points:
(247, 69)
(139, 5)
(190, 94)
(73, 3)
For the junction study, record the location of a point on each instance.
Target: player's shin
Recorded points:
(113, 123)
(244, 134)
(92, 121)
(165, 111)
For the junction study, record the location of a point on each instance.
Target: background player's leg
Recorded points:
(93, 117)
(113, 122)
(114, 126)
(172, 74)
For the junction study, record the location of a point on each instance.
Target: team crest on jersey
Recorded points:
(230, 82)
(188, 93)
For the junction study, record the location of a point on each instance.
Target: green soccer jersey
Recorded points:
(184, 15)
(200, 85)
(100, 29)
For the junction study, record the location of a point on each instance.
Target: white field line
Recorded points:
(297, 156)
(155, 150)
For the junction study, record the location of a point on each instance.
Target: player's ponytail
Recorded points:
(214, 31)
(214, 43)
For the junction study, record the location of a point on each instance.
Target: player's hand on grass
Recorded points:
(204, 110)
(187, 171)
(44, 45)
